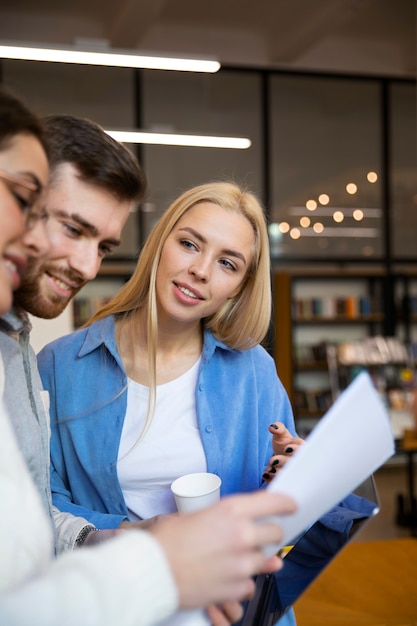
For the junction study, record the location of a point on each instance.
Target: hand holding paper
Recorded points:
(349, 443)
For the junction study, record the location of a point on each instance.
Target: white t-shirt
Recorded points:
(170, 448)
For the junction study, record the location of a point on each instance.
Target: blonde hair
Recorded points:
(243, 321)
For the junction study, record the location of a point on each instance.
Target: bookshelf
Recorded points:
(311, 311)
(391, 366)
(328, 325)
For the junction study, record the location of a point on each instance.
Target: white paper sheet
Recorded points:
(348, 444)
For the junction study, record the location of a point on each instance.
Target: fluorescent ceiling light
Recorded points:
(115, 59)
(173, 139)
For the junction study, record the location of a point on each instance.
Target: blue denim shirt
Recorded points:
(238, 394)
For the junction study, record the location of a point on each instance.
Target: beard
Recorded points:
(30, 297)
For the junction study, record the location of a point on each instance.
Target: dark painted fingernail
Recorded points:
(266, 476)
(273, 426)
(273, 470)
(276, 462)
(289, 450)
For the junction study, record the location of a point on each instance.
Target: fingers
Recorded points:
(277, 462)
(229, 538)
(253, 529)
(282, 436)
(282, 439)
(267, 533)
(225, 614)
(217, 617)
(259, 504)
(281, 433)
(271, 565)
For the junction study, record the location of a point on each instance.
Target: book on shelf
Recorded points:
(373, 351)
(311, 353)
(312, 401)
(350, 307)
(388, 362)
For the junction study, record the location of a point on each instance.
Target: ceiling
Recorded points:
(353, 36)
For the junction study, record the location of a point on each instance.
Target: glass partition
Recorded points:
(315, 159)
(227, 103)
(326, 167)
(403, 141)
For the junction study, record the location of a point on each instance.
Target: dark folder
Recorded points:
(311, 553)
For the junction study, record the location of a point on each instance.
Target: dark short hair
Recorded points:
(17, 118)
(99, 159)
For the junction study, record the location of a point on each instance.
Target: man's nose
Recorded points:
(85, 262)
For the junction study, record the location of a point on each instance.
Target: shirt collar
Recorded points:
(98, 334)
(211, 344)
(16, 321)
(103, 333)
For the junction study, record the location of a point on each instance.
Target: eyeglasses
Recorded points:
(26, 193)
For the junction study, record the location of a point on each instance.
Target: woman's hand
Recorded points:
(284, 446)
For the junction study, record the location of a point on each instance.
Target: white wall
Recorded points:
(44, 331)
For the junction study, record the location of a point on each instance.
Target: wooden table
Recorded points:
(368, 584)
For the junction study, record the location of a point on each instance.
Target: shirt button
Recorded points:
(208, 429)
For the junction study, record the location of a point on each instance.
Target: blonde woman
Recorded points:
(170, 376)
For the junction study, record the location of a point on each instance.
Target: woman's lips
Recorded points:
(189, 291)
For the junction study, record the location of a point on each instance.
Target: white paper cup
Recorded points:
(196, 491)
